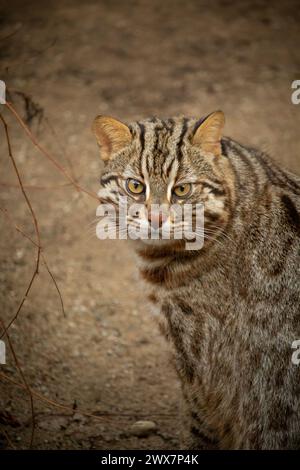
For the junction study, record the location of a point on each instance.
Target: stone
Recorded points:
(143, 428)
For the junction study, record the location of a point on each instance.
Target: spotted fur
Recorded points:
(230, 311)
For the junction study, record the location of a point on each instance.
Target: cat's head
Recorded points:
(167, 163)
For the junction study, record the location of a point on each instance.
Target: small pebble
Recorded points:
(143, 428)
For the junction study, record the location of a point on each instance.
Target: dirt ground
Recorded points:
(131, 60)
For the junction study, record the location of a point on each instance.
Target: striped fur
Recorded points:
(231, 310)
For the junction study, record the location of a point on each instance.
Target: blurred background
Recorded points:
(64, 62)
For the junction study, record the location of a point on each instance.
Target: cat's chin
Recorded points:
(159, 242)
(153, 244)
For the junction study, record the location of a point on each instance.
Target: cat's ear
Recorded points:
(112, 135)
(209, 133)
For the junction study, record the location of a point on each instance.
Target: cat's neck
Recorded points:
(172, 266)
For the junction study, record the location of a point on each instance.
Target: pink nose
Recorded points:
(156, 218)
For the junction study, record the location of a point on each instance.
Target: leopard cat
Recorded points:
(230, 310)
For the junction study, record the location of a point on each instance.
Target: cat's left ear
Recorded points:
(209, 133)
(112, 135)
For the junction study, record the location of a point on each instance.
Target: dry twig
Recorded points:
(26, 386)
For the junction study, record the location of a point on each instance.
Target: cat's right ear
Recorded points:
(209, 132)
(112, 135)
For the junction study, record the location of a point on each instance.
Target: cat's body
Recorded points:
(230, 310)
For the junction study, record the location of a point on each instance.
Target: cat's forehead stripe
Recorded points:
(181, 138)
(142, 136)
(142, 144)
(154, 136)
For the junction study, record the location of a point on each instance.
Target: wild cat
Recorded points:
(231, 309)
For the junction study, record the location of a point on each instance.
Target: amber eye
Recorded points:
(182, 190)
(134, 186)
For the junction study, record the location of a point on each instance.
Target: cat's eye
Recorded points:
(182, 190)
(134, 186)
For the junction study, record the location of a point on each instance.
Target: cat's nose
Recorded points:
(156, 218)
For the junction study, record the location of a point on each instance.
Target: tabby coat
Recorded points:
(230, 310)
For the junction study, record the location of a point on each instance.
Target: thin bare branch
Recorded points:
(26, 386)
(35, 223)
(55, 284)
(8, 439)
(46, 153)
(21, 231)
(35, 186)
(24, 234)
(102, 416)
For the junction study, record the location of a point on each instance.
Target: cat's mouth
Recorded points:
(165, 235)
